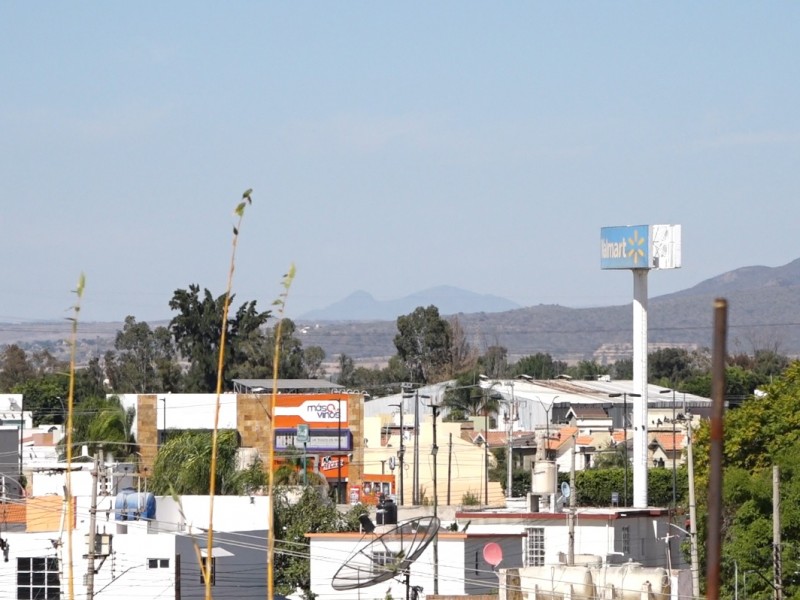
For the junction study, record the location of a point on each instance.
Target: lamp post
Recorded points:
(674, 464)
(625, 434)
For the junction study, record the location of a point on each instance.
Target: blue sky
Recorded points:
(391, 147)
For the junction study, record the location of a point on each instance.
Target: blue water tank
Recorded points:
(131, 505)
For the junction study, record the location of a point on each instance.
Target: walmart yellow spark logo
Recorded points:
(636, 250)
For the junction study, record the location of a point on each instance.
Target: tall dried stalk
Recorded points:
(281, 303)
(206, 568)
(76, 309)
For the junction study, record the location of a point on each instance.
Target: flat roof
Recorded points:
(265, 386)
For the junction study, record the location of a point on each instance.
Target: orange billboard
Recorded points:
(319, 411)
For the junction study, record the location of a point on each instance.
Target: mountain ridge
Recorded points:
(764, 312)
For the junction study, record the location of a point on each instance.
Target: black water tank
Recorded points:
(387, 512)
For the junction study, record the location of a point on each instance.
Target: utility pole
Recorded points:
(777, 567)
(435, 453)
(571, 515)
(92, 528)
(692, 511)
(449, 466)
(401, 452)
(415, 492)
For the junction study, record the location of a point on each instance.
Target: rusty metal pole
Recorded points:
(714, 541)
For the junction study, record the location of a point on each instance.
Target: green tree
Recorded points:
(312, 513)
(669, 364)
(494, 362)
(313, 356)
(538, 366)
(45, 397)
(197, 332)
(423, 343)
(14, 368)
(347, 369)
(146, 359)
(763, 432)
(103, 424)
(183, 464)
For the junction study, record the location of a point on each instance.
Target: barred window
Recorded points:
(626, 540)
(383, 559)
(158, 563)
(38, 578)
(534, 547)
(212, 570)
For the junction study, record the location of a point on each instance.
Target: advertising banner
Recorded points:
(640, 247)
(317, 410)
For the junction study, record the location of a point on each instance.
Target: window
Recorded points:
(211, 570)
(158, 563)
(38, 578)
(626, 540)
(382, 559)
(534, 547)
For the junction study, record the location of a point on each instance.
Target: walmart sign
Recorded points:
(640, 247)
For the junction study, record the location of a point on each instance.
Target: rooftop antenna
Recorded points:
(388, 556)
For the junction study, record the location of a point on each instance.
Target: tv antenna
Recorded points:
(388, 556)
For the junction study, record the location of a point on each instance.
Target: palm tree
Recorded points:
(104, 424)
(183, 464)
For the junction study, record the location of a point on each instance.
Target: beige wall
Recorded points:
(466, 462)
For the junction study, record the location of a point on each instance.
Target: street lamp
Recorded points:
(625, 434)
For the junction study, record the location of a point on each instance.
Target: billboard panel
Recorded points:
(625, 247)
(319, 440)
(640, 247)
(316, 410)
(666, 250)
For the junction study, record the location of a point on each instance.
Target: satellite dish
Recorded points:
(387, 556)
(493, 554)
(565, 491)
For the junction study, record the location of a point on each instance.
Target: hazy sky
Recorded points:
(391, 147)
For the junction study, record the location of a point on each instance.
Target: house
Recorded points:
(146, 546)
(462, 566)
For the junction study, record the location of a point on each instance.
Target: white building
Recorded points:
(152, 553)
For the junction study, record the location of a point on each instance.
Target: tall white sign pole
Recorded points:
(640, 248)
(640, 387)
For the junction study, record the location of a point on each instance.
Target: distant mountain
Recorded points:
(361, 306)
(764, 312)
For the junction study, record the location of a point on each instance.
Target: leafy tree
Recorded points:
(622, 369)
(587, 370)
(197, 331)
(312, 513)
(423, 343)
(494, 362)
(312, 362)
(346, 370)
(44, 396)
(538, 366)
(103, 423)
(763, 432)
(183, 464)
(462, 355)
(669, 364)
(146, 359)
(14, 368)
